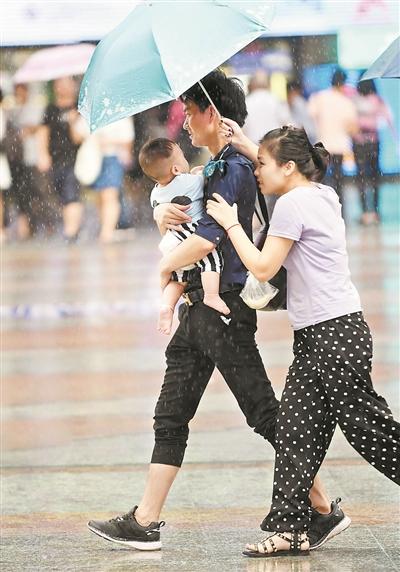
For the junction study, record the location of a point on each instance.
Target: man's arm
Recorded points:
(188, 252)
(352, 120)
(208, 233)
(312, 107)
(285, 117)
(237, 179)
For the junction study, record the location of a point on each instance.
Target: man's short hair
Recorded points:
(152, 152)
(226, 92)
(339, 77)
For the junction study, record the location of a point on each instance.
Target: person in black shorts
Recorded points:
(57, 153)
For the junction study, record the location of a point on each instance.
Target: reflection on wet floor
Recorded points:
(82, 366)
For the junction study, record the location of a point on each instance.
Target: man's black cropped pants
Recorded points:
(202, 342)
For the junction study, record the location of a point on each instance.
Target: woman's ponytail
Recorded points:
(320, 158)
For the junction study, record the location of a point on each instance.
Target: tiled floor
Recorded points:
(82, 365)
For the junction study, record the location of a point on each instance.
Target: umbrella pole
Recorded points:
(209, 98)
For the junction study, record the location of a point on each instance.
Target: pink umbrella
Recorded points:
(51, 63)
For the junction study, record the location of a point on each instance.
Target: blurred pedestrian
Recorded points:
(265, 110)
(148, 125)
(175, 119)
(176, 132)
(24, 121)
(298, 106)
(5, 174)
(371, 110)
(115, 142)
(57, 153)
(335, 117)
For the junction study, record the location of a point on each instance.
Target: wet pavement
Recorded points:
(82, 366)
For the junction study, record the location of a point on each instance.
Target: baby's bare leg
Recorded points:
(170, 296)
(210, 282)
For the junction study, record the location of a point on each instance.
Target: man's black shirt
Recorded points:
(236, 185)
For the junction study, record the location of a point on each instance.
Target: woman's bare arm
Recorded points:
(265, 264)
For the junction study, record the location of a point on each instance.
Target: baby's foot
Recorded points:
(217, 303)
(165, 319)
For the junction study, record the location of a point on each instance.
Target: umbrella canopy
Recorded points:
(388, 63)
(52, 63)
(163, 48)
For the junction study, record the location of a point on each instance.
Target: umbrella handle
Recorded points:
(209, 98)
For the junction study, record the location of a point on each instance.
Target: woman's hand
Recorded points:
(230, 130)
(234, 134)
(169, 216)
(222, 212)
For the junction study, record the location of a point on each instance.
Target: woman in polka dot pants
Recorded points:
(329, 382)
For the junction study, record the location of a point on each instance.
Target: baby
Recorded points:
(163, 162)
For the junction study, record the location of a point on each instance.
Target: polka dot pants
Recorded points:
(328, 383)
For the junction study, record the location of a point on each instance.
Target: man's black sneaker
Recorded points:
(126, 530)
(323, 527)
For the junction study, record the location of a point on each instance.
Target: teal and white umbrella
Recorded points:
(162, 49)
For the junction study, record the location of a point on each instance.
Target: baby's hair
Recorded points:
(292, 144)
(152, 152)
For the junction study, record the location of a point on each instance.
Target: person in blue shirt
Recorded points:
(205, 339)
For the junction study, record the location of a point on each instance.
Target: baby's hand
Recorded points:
(197, 170)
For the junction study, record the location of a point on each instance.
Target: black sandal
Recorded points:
(294, 540)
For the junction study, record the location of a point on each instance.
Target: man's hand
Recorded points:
(170, 216)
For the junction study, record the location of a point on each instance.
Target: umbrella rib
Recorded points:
(162, 65)
(247, 15)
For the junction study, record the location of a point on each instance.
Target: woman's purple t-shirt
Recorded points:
(319, 283)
